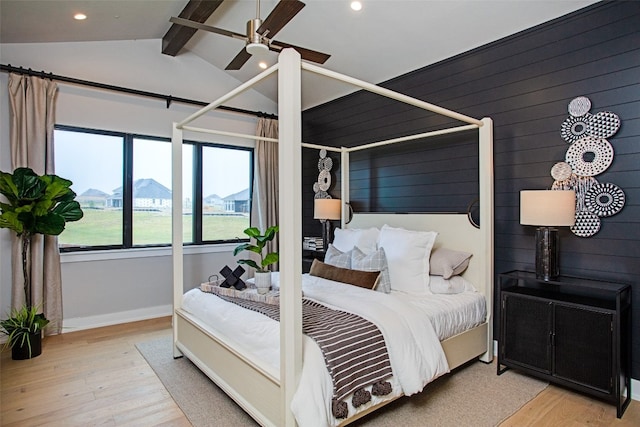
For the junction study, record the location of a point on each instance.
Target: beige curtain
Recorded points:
(264, 207)
(32, 106)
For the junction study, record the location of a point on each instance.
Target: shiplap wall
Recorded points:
(524, 83)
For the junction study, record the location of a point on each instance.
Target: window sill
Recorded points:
(111, 254)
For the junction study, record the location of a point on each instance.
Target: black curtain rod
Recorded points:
(167, 98)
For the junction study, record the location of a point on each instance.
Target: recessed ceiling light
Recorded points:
(79, 16)
(356, 5)
(262, 65)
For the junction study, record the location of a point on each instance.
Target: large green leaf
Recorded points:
(249, 262)
(10, 220)
(252, 232)
(5, 207)
(57, 187)
(51, 224)
(69, 210)
(247, 247)
(8, 187)
(29, 185)
(270, 259)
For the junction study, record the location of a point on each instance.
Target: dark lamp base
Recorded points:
(547, 251)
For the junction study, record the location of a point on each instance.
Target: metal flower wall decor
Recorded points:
(589, 154)
(321, 187)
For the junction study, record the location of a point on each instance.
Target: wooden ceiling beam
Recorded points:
(178, 35)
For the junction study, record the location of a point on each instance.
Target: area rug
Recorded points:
(472, 395)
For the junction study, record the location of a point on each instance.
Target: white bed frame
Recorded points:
(267, 398)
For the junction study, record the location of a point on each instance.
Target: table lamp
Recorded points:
(547, 209)
(325, 210)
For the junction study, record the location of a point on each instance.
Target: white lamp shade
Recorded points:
(326, 208)
(548, 208)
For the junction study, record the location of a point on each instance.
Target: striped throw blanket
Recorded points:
(354, 350)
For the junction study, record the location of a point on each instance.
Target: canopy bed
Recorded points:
(275, 388)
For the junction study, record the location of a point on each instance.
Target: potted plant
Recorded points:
(37, 204)
(24, 327)
(262, 274)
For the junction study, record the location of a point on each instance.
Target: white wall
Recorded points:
(107, 288)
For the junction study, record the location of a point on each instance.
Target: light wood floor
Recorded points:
(97, 377)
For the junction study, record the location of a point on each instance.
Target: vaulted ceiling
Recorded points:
(385, 39)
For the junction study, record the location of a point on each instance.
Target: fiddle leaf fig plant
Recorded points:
(261, 241)
(36, 204)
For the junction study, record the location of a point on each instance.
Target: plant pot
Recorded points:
(263, 282)
(21, 352)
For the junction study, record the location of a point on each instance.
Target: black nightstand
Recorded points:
(308, 256)
(571, 331)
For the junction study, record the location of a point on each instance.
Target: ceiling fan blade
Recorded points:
(241, 58)
(308, 54)
(284, 11)
(199, 26)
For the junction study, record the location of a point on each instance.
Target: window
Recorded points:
(123, 183)
(225, 193)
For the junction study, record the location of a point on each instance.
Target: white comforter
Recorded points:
(414, 349)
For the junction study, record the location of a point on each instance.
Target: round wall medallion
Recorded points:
(561, 171)
(589, 156)
(603, 124)
(579, 106)
(325, 164)
(604, 199)
(324, 180)
(587, 224)
(574, 128)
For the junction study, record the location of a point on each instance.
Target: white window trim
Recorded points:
(111, 254)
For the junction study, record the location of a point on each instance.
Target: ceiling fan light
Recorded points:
(256, 48)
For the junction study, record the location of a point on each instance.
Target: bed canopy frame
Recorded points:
(265, 398)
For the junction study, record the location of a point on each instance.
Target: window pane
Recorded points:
(152, 192)
(94, 163)
(226, 199)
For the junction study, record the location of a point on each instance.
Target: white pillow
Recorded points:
(454, 285)
(408, 255)
(366, 239)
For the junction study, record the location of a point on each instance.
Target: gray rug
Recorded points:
(472, 395)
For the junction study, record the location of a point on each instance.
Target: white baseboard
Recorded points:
(90, 322)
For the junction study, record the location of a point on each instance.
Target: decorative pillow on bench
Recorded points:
(363, 279)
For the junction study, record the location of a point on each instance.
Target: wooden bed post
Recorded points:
(290, 209)
(176, 229)
(485, 154)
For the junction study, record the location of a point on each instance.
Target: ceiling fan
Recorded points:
(259, 36)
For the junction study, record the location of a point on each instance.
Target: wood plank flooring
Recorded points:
(98, 377)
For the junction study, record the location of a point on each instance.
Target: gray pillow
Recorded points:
(376, 261)
(337, 258)
(447, 263)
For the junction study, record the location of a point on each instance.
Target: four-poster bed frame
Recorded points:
(267, 398)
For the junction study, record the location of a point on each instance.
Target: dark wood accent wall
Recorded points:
(524, 83)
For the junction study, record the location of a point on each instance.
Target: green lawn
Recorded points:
(104, 227)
